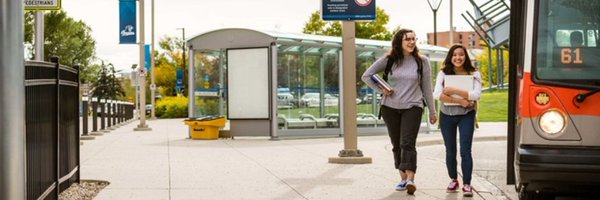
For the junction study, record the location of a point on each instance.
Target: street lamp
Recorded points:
(183, 56)
(434, 5)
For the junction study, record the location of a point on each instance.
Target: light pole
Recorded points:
(183, 56)
(152, 85)
(135, 78)
(142, 126)
(434, 5)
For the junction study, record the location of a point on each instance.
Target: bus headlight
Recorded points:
(552, 122)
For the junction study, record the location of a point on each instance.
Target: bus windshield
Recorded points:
(568, 42)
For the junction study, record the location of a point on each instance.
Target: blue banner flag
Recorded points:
(147, 56)
(179, 81)
(127, 22)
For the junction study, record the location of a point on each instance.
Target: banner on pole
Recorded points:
(147, 56)
(127, 22)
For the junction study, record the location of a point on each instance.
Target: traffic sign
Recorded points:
(41, 4)
(142, 71)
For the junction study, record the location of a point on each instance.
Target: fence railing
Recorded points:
(52, 128)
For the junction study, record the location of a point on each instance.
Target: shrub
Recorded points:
(172, 107)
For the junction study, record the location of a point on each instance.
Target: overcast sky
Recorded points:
(198, 16)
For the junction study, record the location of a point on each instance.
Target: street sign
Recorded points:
(41, 4)
(348, 10)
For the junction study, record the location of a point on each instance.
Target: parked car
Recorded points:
(314, 100)
(286, 100)
(368, 99)
(148, 109)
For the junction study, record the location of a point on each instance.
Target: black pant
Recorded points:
(403, 126)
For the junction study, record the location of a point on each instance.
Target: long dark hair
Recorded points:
(396, 53)
(449, 67)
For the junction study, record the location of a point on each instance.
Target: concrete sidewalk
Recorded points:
(163, 164)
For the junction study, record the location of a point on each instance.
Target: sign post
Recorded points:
(348, 11)
(142, 70)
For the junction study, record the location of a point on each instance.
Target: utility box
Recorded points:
(205, 128)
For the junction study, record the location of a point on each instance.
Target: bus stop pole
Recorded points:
(350, 154)
(12, 101)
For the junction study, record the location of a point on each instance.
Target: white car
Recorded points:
(313, 100)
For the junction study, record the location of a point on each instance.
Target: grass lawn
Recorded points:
(493, 106)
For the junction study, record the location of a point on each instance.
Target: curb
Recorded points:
(440, 141)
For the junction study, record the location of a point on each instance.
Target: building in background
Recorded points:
(469, 39)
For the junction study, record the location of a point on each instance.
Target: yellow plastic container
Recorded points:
(206, 128)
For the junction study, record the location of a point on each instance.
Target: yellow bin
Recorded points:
(205, 128)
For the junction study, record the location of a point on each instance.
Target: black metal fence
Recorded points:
(52, 128)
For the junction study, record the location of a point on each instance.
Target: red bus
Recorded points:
(554, 99)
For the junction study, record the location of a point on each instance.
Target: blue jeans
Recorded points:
(466, 126)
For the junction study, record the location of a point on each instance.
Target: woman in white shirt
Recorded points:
(461, 115)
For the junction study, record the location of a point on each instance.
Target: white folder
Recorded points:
(463, 82)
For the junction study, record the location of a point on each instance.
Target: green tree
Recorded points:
(168, 61)
(108, 86)
(484, 65)
(66, 38)
(374, 30)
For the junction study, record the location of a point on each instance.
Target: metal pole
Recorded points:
(435, 27)
(490, 71)
(183, 57)
(142, 126)
(350, 154)
(12, 102)
(84, 115)
(39, 35)
(191, 80)
(451, 25)
(153, 88)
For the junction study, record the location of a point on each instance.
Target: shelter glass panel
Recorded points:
(209, 83)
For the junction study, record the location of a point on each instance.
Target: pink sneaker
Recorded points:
(467, 190)
(452, 186)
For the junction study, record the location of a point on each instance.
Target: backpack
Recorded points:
(388, 70)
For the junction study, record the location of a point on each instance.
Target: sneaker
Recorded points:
(410, 187)
(452, 186)
(467, 190)
(401, 186)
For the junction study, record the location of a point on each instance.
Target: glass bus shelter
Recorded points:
(303, 77)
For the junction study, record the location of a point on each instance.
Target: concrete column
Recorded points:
(350, 154)
(12, 102)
